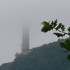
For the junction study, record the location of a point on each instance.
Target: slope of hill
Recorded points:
(6, 66)
(45, 57)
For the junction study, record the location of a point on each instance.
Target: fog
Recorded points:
(46, 10)
(11, 28)
(16, 15)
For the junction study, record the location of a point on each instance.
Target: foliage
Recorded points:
(46, 57)
(60, 32)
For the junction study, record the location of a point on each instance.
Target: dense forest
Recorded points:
(46, 57)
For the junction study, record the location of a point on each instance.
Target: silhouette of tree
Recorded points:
(59, 32)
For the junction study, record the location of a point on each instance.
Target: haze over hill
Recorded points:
(15, 14)
(45, 57)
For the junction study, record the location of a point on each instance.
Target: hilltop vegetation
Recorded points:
(45, 57)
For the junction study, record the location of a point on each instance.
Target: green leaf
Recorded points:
(54, 24)
(69, 29)
(46, 28)
(69, 34)
(59, 26)
(58, 34)
(63, 28)
(45, 23)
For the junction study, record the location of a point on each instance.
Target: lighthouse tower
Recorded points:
(25, 41)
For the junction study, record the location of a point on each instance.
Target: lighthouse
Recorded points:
(25, 41)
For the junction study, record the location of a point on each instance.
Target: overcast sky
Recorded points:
(11, 25)
(40, 10)
(15, 14)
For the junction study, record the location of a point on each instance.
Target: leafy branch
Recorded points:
(60, 32)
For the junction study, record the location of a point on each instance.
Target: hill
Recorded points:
(45, 57)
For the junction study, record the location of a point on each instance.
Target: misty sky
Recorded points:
(15, 14)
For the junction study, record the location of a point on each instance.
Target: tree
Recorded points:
(59, 32)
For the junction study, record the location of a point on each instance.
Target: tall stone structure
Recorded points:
(25, 41)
